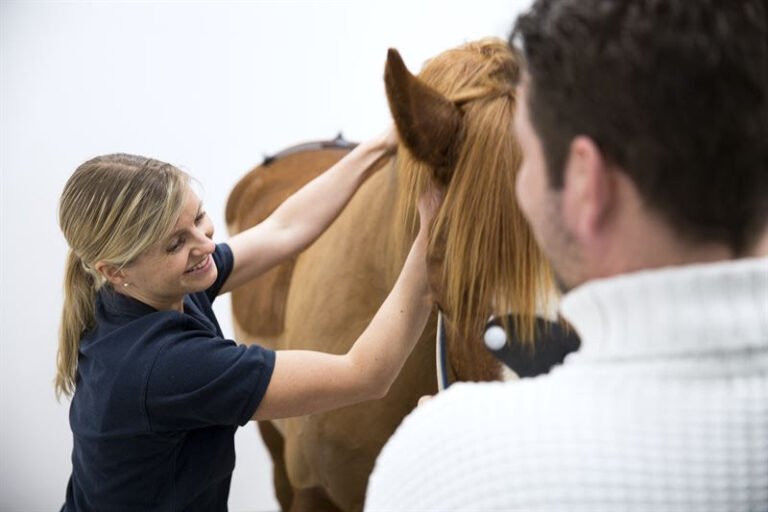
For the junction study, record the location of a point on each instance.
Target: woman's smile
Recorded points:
(201, 267)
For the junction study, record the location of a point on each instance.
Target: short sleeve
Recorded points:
(199, 380)
(225, 261)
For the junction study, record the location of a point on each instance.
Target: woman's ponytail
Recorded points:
(76, 318)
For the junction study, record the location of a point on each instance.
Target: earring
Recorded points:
(125, 285)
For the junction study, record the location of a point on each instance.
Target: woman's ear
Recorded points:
(111, 273)
(428, 124)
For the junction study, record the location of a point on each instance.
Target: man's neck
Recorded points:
(646, 241)
(761, 247)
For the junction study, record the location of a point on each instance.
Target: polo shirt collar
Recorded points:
(119, 305)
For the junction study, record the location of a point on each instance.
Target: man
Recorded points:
(644, 125)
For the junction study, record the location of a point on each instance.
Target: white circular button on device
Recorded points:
(495, 337)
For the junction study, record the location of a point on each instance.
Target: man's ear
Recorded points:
(111, 273)
(589, 189)
(428, 124)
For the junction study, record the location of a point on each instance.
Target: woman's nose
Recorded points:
(204, 244)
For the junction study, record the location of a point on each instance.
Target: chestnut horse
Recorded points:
(455, 126)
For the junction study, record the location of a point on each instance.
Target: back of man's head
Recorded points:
(673, 92)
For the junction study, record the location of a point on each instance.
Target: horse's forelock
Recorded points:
(490, 261)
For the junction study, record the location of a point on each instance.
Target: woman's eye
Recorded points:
(176, 246)
(199, 217)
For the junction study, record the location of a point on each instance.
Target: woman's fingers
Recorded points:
(429, 203)
(389, 138)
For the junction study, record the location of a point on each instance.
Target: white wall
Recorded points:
(208, 86)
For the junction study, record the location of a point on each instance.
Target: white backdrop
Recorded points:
(207, 86)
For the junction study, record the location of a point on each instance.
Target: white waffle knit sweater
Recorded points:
(664, 408)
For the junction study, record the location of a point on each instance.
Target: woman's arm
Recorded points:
(296, 223)
(306, 382)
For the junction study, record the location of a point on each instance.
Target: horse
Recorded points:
(454, 122)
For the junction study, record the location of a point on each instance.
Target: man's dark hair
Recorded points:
(675, 92)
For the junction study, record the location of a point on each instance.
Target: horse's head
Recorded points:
(455, 122)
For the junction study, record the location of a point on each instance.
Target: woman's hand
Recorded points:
(389, 139)
(429, 203)
(385, 144)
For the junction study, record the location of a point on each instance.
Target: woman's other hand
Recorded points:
(429, 203)
(389, 138)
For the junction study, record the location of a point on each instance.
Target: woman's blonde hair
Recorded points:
(113, 208)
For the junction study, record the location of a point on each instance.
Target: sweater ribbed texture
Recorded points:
(664, 408)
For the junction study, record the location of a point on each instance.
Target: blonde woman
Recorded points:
(157, 390)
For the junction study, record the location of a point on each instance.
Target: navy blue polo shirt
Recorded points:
(158, 397)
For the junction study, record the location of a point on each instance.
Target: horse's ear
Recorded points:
(428, 124)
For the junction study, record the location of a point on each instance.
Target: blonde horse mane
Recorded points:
(491, 262)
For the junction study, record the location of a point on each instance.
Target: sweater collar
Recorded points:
(692, 309)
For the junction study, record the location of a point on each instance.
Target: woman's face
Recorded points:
(177, 265)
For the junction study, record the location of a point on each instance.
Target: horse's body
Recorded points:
(327, 297)
(336, 287)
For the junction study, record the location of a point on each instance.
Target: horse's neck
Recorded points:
(377, 229)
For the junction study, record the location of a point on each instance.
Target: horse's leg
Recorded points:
(340, 447)
(314, 499)
(308, 493)
(275, 444)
